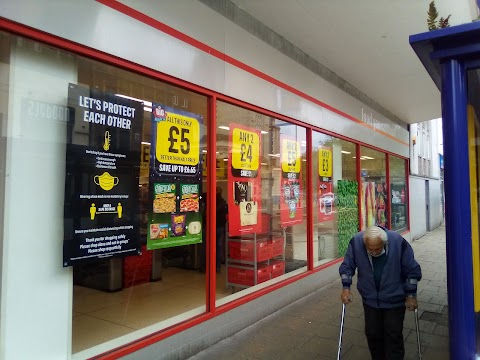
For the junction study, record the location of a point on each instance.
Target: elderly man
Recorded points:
(387, 281)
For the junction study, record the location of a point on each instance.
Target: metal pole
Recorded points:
(341, 332)
(418, 335)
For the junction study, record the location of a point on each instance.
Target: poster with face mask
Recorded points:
(102, 176)
(244, 181)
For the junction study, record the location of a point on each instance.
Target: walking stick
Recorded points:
(418, 336)
(341, 332)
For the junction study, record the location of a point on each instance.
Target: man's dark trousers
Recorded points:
(384, 331)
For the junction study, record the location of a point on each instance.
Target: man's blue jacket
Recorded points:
(399, 277)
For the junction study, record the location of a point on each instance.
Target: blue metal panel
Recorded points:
(457, 212)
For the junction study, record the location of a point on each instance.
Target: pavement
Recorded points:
(309, 328)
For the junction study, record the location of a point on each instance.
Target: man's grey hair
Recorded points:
(374, 232)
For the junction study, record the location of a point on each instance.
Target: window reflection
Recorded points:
(374, 188)
(261, 164)
(399, 196)
(335, 194)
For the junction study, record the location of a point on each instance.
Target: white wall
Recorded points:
(436, 216)
(36, 302)
(418, 210)
(418, 220)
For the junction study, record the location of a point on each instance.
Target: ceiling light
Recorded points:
(145, 143)
(346, 152)
(146, 103)
(264, 132)
(224, 127)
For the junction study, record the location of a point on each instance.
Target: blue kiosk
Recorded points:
(452, 58)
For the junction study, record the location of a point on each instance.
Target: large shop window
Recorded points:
(335, 195)
(374, 188)
(261, 164)
(399, 196)
(113, 168)
(162, 285)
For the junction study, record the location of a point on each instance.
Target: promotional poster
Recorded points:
(326, 197)
(101, 180)
(244, 181)
(291, 211)
(175, 179)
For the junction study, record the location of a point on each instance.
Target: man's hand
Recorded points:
(346, 296)
(411, 303)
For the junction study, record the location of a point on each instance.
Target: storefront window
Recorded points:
(261, 176)
(399, 195)
(374, 188)
(163, 281)
(335, 194)
(130, 229)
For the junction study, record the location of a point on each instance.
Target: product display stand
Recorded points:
(253, 259)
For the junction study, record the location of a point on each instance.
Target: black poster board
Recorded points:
(101, 180)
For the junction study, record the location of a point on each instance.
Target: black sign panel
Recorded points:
(101, 180)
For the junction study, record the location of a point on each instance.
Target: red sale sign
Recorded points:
(244, 181)
(291, 211)
(326, 197)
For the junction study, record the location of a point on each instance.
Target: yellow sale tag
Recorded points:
(245, 149)
(145, 160)
(178, 140)
(221, 167)
(324, 162)
(291, 162)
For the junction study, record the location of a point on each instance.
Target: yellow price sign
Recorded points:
(291, 162)
(324, 162)
(178, 140)
(245, 149)
(221, 167)
(144, 160)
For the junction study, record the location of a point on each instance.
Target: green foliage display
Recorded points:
(346, 204)
(432, 22)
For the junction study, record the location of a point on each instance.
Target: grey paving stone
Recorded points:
(426, 286)
(430, 340)
(325, 347)
(430, 307)
(425, 295)
(441, 330)
(439, 299)
(356, 353)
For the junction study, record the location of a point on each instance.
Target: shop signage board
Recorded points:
(326, 197)
(175, 182)
(244, 181)
(291, 211)
(101, 180)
